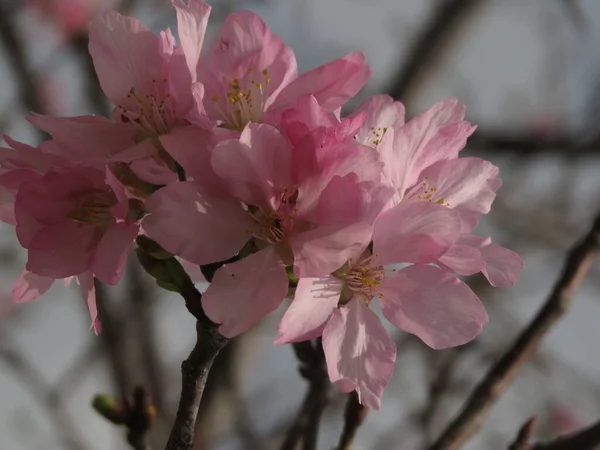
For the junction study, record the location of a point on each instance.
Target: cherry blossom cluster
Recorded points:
(226, 155)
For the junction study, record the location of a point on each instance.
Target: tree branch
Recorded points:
(194, 370)
(353, 418)
(525, 433)
(312, 367)
(499, 377)
(587, 439)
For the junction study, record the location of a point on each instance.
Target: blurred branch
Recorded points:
(95, 95)
(587, 439)
(354, 416)
(524, 436)
(574, 11)
(502, 373)
(430, 44)
(194, 370)
(15, 50)
(529, 144)
(306, 425)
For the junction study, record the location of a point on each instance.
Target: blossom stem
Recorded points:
(194, 371)
(353, 418)
(306, 425)
(499, 377)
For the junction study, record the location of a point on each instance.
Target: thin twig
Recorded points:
(499, 377)
(306, 425)
(194, 370)
(587, 439)
(353, 418)
(524, 436)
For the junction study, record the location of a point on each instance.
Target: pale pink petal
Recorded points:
(332, 84)
(325, 249)
(27, 157)
(193, 270)
(257, 166)
(462, 260)
(86, 284)
(433, 305)
(192, 19)
(360, 354)
(416, 232)
(382, 113)
(467, 185)
(153, 169)
(439, 133)
(314, 302)
(62, 250)
(196, 225)
(244, 291)
(126, 56)
(247, 51)
(30, 286)
(111, 253)
(502, 266)
(89, 138)
(190, 147)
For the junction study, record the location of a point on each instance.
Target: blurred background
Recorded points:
(529, 73)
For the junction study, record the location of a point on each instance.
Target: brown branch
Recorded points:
(499, 377)
(587, 439)
(429, 45)
(524, 436)
(194, 370)
(306, 425)
(354, 416)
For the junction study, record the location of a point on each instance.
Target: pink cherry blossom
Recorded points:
(74, 220)
(149, 80)
(419, 299)
(251, 75)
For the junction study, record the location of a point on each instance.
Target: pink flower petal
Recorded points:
(30, 286)
(359, 352)
(111, 253)
(196, 225)
(314, 302)
(86, 284)
(90, 138)
(190, 146)
(332, 84)
(153, 169)
(244, 291)
(462, 260)
(126, 55)
(433, 305)
(257, 166)
(325, 249)
(437, 134)
(467, 185)
(192, 20)
(416, 232)
(62, 250)
(381, 112)
(502, 266)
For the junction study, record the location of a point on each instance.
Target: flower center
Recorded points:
(245, 99)
(425, 191)
(375, 136)
(361, 279)
(275, 226)
(155, 113)
(93, 207)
